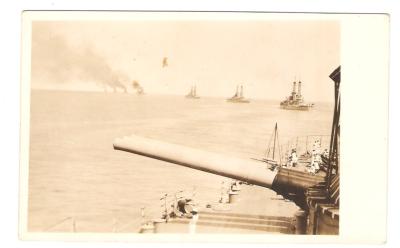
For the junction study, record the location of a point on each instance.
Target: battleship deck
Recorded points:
(266, 213)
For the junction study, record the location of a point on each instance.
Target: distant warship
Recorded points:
(296, 101)
(238, 97)
(192, 93)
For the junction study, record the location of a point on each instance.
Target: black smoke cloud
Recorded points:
(136, 86)
(57, 62)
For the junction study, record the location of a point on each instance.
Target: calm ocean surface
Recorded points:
(74, 173)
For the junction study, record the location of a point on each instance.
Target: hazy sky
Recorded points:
(264, 56)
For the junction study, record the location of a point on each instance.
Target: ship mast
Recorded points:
(294, 91)
(275, 143)
(275, 132)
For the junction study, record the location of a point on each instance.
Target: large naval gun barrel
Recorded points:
(291, 184)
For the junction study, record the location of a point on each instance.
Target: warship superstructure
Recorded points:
(296, 100)
(192, 93)
(238, 97)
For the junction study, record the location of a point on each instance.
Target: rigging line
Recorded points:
(280, 153)
(266, 155)
(275, 133)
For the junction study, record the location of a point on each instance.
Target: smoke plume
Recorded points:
(136, 86)
(57, 62)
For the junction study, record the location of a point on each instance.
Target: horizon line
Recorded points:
(158, 94)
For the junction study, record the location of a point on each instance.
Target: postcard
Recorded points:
(204, 126)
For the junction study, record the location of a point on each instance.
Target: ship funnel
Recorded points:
(299, 89)
(294, 90)
(294, 87)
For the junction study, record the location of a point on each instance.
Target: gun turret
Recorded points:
(288, 183)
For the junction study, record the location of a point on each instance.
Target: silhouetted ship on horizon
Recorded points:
(192, 93)
(296, 101)
(238, 97)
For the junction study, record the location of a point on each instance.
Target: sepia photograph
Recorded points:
(183, 123)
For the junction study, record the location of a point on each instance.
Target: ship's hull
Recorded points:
(238, 100)
(297, 107)
(192, 97)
